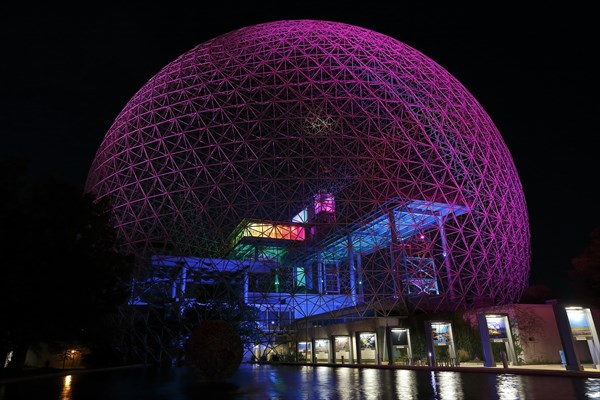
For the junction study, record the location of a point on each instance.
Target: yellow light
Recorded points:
(66, 390)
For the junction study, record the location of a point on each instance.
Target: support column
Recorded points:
(388, 344)
(320, 275)
(593, 343)
(337, 277)
(357, 347)
(566, 338)
(594, 351)
(488, 356)
(308, 275)
(431, 361)
(183, 284)
(510, 346)
(361, 289)
(446, 256)
(351, 269)
(393, 242)
(246, 286)
(332, 355)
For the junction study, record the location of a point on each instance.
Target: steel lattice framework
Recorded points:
(320, 169)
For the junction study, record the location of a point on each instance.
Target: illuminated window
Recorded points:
(301, 217)
(274, 231)
(300, 277)
(324, 202)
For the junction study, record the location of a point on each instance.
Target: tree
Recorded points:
(214, 350)
(537, 294)
(585, 272)
(62, 272)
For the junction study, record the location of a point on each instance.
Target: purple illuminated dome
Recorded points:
(337, 167)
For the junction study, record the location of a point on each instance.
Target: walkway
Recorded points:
(588, 371)
(542, 369)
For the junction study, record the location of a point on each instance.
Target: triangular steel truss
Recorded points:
(267, 121)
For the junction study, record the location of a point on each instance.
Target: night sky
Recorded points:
(68, 72)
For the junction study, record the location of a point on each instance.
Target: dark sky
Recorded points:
(68, 72)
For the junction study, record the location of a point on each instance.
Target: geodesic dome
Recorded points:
(331, 163)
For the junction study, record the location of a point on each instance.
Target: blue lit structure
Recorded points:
(289, 271)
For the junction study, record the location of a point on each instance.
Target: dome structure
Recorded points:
(344, 165)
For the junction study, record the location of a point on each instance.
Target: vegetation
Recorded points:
(585, 273)
(62, 273)
(466, 338)
(214, 351)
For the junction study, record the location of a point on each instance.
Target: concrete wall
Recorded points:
(533, 325)
(538, 333)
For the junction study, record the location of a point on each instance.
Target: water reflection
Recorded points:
(509, 387)
(323, 378)
(450, 385)
(345, 382)
(370, 385)
(66, 389)
(592, 388)
(289, 382)
(406, 384)
(276, 382)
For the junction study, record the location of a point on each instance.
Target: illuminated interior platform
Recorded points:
(395, 221)
(282, 270)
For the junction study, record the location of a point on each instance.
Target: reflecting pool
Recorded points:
(302, 382)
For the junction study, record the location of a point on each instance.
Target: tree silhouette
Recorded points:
(61, 270)
(585, 272)
(214, 350)
(537, 294)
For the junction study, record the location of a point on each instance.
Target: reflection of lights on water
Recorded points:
(433, 382)
(592, 388)
(509, 387)
(450, 385)
(66, 391)
(276, 384)
(371, 384)
(406, 387)
(305, 375)
(322, 376)
(446, 385)
(345, 381)
(322, 383)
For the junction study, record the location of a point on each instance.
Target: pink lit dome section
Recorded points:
(255, 123)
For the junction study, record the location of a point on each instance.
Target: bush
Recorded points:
(215, 350)
(463, 355)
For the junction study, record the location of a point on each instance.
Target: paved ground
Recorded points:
(540, 368)
(551, 367)
(588, 370)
